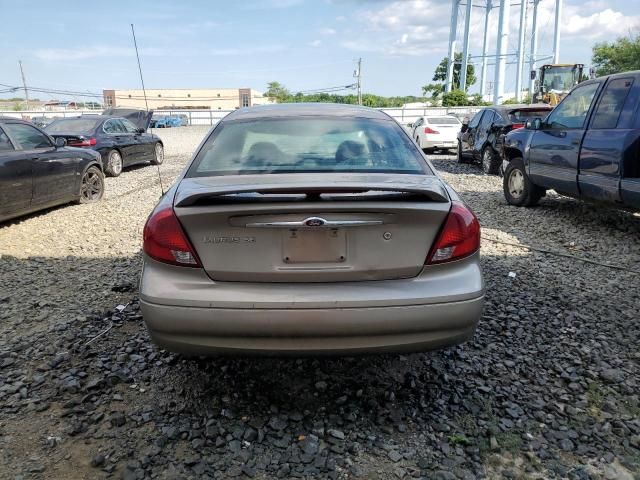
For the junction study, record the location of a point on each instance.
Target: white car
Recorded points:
(436, 132)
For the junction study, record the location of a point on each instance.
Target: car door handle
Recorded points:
(575, 141)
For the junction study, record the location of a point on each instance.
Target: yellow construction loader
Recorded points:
(553, 82)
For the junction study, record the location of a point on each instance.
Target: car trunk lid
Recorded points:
(312, 227)
(447, 129)
(140, 118)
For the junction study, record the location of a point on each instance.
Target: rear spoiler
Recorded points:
(190, 196)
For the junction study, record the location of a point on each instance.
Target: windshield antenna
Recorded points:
(144, 92)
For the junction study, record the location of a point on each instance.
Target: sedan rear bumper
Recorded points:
(198, 331)
(192, 314)
(448, 144)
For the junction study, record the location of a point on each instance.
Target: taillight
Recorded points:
(459, 237)
(517, 125)
(165, 240)
(430, 130)
(82, 142)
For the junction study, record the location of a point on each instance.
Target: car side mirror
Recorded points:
(61, 142)
(464, 127)
(140, 130)
(533, 124)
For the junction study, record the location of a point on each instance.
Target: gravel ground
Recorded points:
(548, 388)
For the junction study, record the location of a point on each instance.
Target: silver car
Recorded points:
(310, 229)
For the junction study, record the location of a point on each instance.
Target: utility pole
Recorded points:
(358, 74)
(24, 84)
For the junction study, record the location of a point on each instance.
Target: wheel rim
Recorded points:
(486, 160)
(115, 162)
(516, 183)
(159, 153)
(91, 186)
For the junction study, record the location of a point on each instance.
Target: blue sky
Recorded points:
(304, 44)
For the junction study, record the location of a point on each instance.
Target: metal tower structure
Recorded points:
(502, 56)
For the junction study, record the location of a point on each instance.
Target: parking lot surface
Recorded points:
(548, 388)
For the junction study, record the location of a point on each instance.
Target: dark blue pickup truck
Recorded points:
(588, 147)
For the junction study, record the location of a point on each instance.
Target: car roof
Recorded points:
(13, 119)
(631, 73)
(97, 117)
(444, 115)
(306, 110)
(522, 106)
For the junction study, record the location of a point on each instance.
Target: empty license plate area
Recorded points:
(322, 245)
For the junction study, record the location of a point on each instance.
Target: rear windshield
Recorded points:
(443, 121)
(522, 115)
(307, 145)
(72, 125)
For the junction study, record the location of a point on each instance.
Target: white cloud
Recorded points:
(285, 3)
(585, 23)
(315, 43)
(403, 27)
(327, 31)
(421, 27)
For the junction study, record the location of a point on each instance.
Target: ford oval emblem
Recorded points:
(315, 222)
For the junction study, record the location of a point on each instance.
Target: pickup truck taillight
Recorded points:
(430, 130)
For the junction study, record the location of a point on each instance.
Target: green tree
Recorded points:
(434, 90)
(619, 56)
(18, 106)
(277, 92)
(455, 98)
(476, 100)
(440, 74)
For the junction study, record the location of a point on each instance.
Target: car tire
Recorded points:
(158, 154)
(490, 161)
(113, 165)
(518, 188)
(91, 186)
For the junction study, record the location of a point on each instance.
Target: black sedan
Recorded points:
(38, 172)
(120, 142)
(480, 139)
